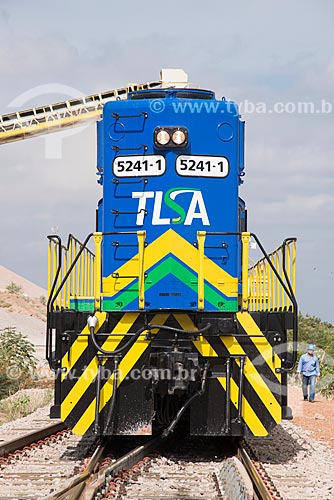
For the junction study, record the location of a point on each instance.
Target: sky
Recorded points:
(268, 56)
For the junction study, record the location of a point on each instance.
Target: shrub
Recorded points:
(17, 361)
(321, 333)
(24, 402)
(42, 300)
(14, 288)
(3, 303)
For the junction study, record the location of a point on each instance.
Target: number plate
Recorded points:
(202, 166)
(139, 165)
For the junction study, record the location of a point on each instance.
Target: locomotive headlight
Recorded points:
(171, 137)
(162, 137)
(179, 137)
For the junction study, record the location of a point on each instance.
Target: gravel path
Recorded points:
(300, 458)
(172, 478)
(300, 467)
(317, 418)
(41, 470)
(38, 471)
(24, 425)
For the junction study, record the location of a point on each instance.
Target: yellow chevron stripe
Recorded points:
(89, 373)
(248, 414)
(127, 363)
(205, 349)
(171, 242)
(262, 344)
(79, 345)
(202, 345)
(255, 379)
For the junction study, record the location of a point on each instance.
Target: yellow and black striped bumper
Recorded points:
(260, 404)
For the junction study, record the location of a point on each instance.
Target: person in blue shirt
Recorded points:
(309, 371)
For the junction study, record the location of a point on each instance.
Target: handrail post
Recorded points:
(293, 267)
(97, 270)
(201, 240)
(49, 266)
(245, 237)
(141, 274)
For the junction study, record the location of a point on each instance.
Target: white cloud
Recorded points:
(284, 54)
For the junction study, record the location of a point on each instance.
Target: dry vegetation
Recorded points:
(19, 303)
(320, 333)
(25, 385)
(24, 402)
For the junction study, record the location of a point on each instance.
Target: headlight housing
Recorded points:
(171, 137)
(179, 137)
(162, 138)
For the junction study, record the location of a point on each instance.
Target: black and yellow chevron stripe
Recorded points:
(261, 401)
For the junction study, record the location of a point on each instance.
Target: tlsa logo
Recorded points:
(193, 206)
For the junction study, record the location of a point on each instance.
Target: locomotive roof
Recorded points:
(180, 93)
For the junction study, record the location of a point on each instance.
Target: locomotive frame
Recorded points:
(166, 320)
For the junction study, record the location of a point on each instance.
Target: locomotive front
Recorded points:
(161, 327)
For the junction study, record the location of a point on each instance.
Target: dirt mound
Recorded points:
(27, 315)
(18, 303)
(28, 288)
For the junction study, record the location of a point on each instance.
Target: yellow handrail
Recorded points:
(266, 292)
(141, 271)
(84, 268)
(201, 240)
(80, 281)
(261, 289)
(97, 270)
(245, 237)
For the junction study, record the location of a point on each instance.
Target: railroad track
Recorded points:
(262, 483)
(18, 443)
(36, 421)
(163, 469)
(290, 460)
(34, 464)
(101, 469)
(52, 463)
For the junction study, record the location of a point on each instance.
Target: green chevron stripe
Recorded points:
(169, 266)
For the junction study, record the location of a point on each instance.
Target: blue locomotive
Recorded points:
(172, 174)
(157, 316)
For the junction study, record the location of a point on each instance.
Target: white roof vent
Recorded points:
(174, 78)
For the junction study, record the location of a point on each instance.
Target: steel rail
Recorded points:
(100, 480)
(27, 439)
(121, 465)
(262, 492)
(76, 484)
(89, 483)
(86, 485)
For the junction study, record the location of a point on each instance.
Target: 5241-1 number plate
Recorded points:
(202, 166)
(139, 165)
